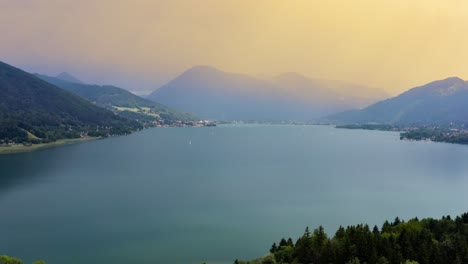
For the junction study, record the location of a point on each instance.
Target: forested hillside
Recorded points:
(32, 110)
(425, 241)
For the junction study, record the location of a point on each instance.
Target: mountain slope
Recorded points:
(121, 100)
(328, 92)
(34, 110)
(65, 76)
(211, 93)
(301, 87)
(438, 102)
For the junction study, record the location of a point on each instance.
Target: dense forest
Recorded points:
(34, 111)
(426, 241)
(449, 135)
(12, 260)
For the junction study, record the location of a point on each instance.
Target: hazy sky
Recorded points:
(140, 45)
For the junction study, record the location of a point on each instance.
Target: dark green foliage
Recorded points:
(10, 260)
(48, 113)
(426, 241)
(10, 130)
(437, 134)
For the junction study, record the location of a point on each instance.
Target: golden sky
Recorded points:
(140, 45)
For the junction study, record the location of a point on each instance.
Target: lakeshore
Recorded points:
(12, 148)
(445, 134)
(20, 148)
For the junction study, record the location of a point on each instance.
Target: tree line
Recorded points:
(13, 260)
(426, 241)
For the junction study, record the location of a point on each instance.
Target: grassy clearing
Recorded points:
(134, 109)
(31, 136)
(142, 110)
(19, 148)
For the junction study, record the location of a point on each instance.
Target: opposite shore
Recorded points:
(446, 134)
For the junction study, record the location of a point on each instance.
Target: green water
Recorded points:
(152, 197)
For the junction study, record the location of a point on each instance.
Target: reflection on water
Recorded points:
(188, 195)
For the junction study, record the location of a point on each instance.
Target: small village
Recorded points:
(436, 134)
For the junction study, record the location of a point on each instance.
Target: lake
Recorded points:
(188, 195)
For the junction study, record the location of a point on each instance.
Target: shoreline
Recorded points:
(20, 148)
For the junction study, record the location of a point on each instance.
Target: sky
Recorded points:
(140, 45)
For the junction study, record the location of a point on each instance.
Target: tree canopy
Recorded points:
(426, 241)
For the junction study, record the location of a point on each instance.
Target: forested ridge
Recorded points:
(426, 241)
(32, 110)
(12, 260)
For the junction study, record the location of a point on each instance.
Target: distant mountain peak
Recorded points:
(444, 87)
(65, 76)
(439, 102)
(456, 85)
(452, 78)
(217, 94)
(202, 69)
(446, 81)
(291, 77)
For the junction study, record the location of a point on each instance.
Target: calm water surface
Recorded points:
(152, 197)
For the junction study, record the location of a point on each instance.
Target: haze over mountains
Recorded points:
(215, 94)
(29, 104)
(440, 102)
(117, 99)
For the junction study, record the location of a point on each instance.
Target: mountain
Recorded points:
(438, 102)
(215, 94)
(328, 92)
(295, 84)
(120, 100)
(36, 111)
(64, 76)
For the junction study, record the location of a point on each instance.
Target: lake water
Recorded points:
(152, 197)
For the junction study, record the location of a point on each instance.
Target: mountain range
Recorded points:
(440, 102)
(33, 110)
(39, 108)
(117, 99)
(215, 94)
